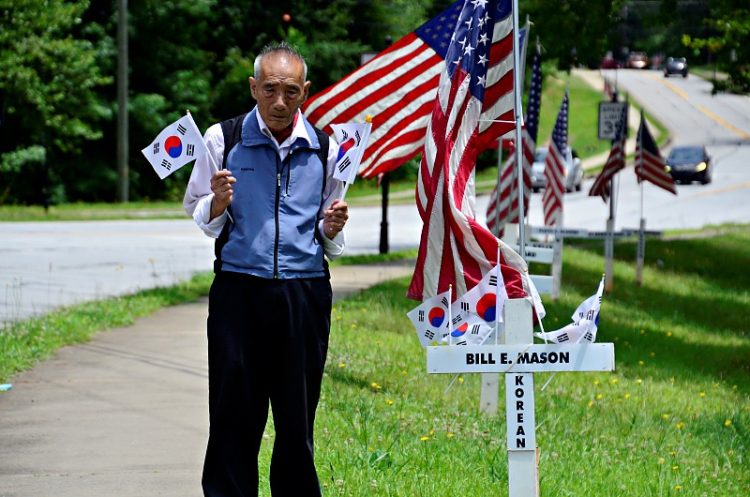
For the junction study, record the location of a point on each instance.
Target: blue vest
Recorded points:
(275, 207)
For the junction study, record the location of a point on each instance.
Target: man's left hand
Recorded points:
(334, 218)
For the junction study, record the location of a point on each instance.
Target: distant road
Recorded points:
(47, 265)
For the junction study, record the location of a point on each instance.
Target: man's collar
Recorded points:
(297, 129)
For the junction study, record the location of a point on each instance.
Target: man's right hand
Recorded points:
(221, 185)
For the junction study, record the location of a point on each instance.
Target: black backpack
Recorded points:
(232, 131)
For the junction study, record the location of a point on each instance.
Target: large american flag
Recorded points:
(455, 248)
(649, 164)
(397, 88)
(506, 210)
(554, 168)
(615, 162)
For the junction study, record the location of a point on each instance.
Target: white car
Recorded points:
(573, 171)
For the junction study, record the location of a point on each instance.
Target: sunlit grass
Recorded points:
(672, 420)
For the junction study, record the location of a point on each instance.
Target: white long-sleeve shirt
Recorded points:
(198, 195)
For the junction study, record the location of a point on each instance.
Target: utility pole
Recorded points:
(122, 102)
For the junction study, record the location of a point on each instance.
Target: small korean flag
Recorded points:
(352, 139)
(176, 145)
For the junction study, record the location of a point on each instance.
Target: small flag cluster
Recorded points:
(585, 322)
(469, 320)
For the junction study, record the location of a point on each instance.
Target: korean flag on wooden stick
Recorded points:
(585, 322)
(431, 318)
(176, 145)
(352, 139)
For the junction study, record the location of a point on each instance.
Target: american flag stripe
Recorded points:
(554, 168)
(397, 89)
(649, 164)
(506, 209)
(615, 161)
(454, 248)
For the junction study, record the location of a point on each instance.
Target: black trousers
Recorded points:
(267, 343)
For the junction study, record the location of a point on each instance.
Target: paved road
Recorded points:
(46, 265)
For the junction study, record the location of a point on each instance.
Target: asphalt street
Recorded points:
(47, 265)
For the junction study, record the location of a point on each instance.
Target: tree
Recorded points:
(49, 76)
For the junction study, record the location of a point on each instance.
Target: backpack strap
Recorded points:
(232, 131)
(323, 154)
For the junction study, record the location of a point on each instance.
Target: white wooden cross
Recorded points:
(519, 358)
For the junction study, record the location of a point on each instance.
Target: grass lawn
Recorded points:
(672, 420)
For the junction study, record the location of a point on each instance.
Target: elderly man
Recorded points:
(266, 192)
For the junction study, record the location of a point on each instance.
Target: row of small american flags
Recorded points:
(649, 164)
(506, 209)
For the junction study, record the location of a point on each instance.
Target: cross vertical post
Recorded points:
(523, 458)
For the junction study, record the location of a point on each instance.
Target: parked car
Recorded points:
(638, 60)
(689, 163)
(676, 65)
(573, 171)
(609, 62)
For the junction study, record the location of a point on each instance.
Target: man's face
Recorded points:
(280, 89)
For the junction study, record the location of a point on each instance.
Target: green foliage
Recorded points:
(727, 43)
(49, 79)
(571, 32)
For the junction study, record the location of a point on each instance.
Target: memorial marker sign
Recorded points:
(519, 358)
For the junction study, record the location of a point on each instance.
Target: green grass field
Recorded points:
(672, 420)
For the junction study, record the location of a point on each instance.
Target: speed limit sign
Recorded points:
(609, 114)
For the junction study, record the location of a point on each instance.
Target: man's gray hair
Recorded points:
(275, 47)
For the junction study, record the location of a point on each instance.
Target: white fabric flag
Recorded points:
(176, 145)
(467, 329)
(585, 322)
(487, 299)
(352, 139)
(536, 299)
(431, 319)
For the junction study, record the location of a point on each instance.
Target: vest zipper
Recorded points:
(276, 220)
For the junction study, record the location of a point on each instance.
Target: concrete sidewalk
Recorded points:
(126, 414)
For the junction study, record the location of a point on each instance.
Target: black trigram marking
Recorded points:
(190, 150)
(563, 338)
(462, 342)
(590, 314)
(444, 335)
(421, 316)
(444, 302)
(166, 164)
(356, 135)
(346, 163)
(429, 334)
(493, 280)
(181, 129)
(156, 148)
(465, 306)
(475, 329)
(344, 136)
(588, 337)
(457, 319)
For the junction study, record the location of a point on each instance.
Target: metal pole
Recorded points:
(122, 101)
(384, 184)
(609, 242)
(519, 124)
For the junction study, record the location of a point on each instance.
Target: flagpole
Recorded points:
(641, 249)
(497, 293)
(450, 317)
(519, 124)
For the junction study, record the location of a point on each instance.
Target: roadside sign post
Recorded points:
(519, 358)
